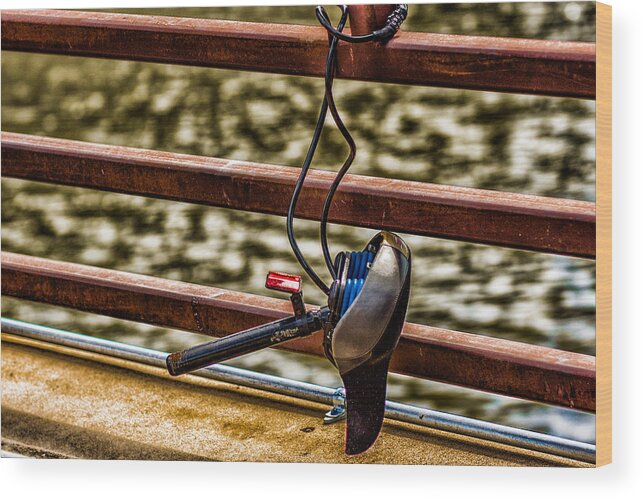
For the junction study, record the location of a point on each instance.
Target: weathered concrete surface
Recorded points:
(61, 402)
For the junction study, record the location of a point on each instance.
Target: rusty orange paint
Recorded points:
(550, 225)
(481, 362)
(544, 67)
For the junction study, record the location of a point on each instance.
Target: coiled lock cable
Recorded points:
(383, 35)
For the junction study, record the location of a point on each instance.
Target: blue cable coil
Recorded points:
(357, 272)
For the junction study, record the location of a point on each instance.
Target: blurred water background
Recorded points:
(535, 145)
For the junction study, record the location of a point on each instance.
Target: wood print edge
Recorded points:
(603, 234)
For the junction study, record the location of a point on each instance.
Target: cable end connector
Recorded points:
(393, 24)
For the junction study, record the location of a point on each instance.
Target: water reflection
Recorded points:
(535, 145)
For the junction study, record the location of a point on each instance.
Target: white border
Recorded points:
(20, 478)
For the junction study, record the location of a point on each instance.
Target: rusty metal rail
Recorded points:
(485, 363)
(545, 67)
(535, 223)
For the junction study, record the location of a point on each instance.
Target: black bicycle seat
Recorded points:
(368, 303)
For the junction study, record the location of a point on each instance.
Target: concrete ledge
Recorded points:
(62, 402)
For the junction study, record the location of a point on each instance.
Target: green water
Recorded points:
(535, 145)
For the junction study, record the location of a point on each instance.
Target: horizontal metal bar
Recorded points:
(550, 225)
(546, 67)
(402, 412)
(506, 367)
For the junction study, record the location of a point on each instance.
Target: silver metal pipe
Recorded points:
(421, 416)
(517, 437)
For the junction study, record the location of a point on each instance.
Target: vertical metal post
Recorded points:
(365, 19)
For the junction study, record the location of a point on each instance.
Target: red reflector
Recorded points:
(283, 282)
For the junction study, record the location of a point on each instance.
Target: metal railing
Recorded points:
(536, 223)
(482, 362)
(549, 225)
(546, 67)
